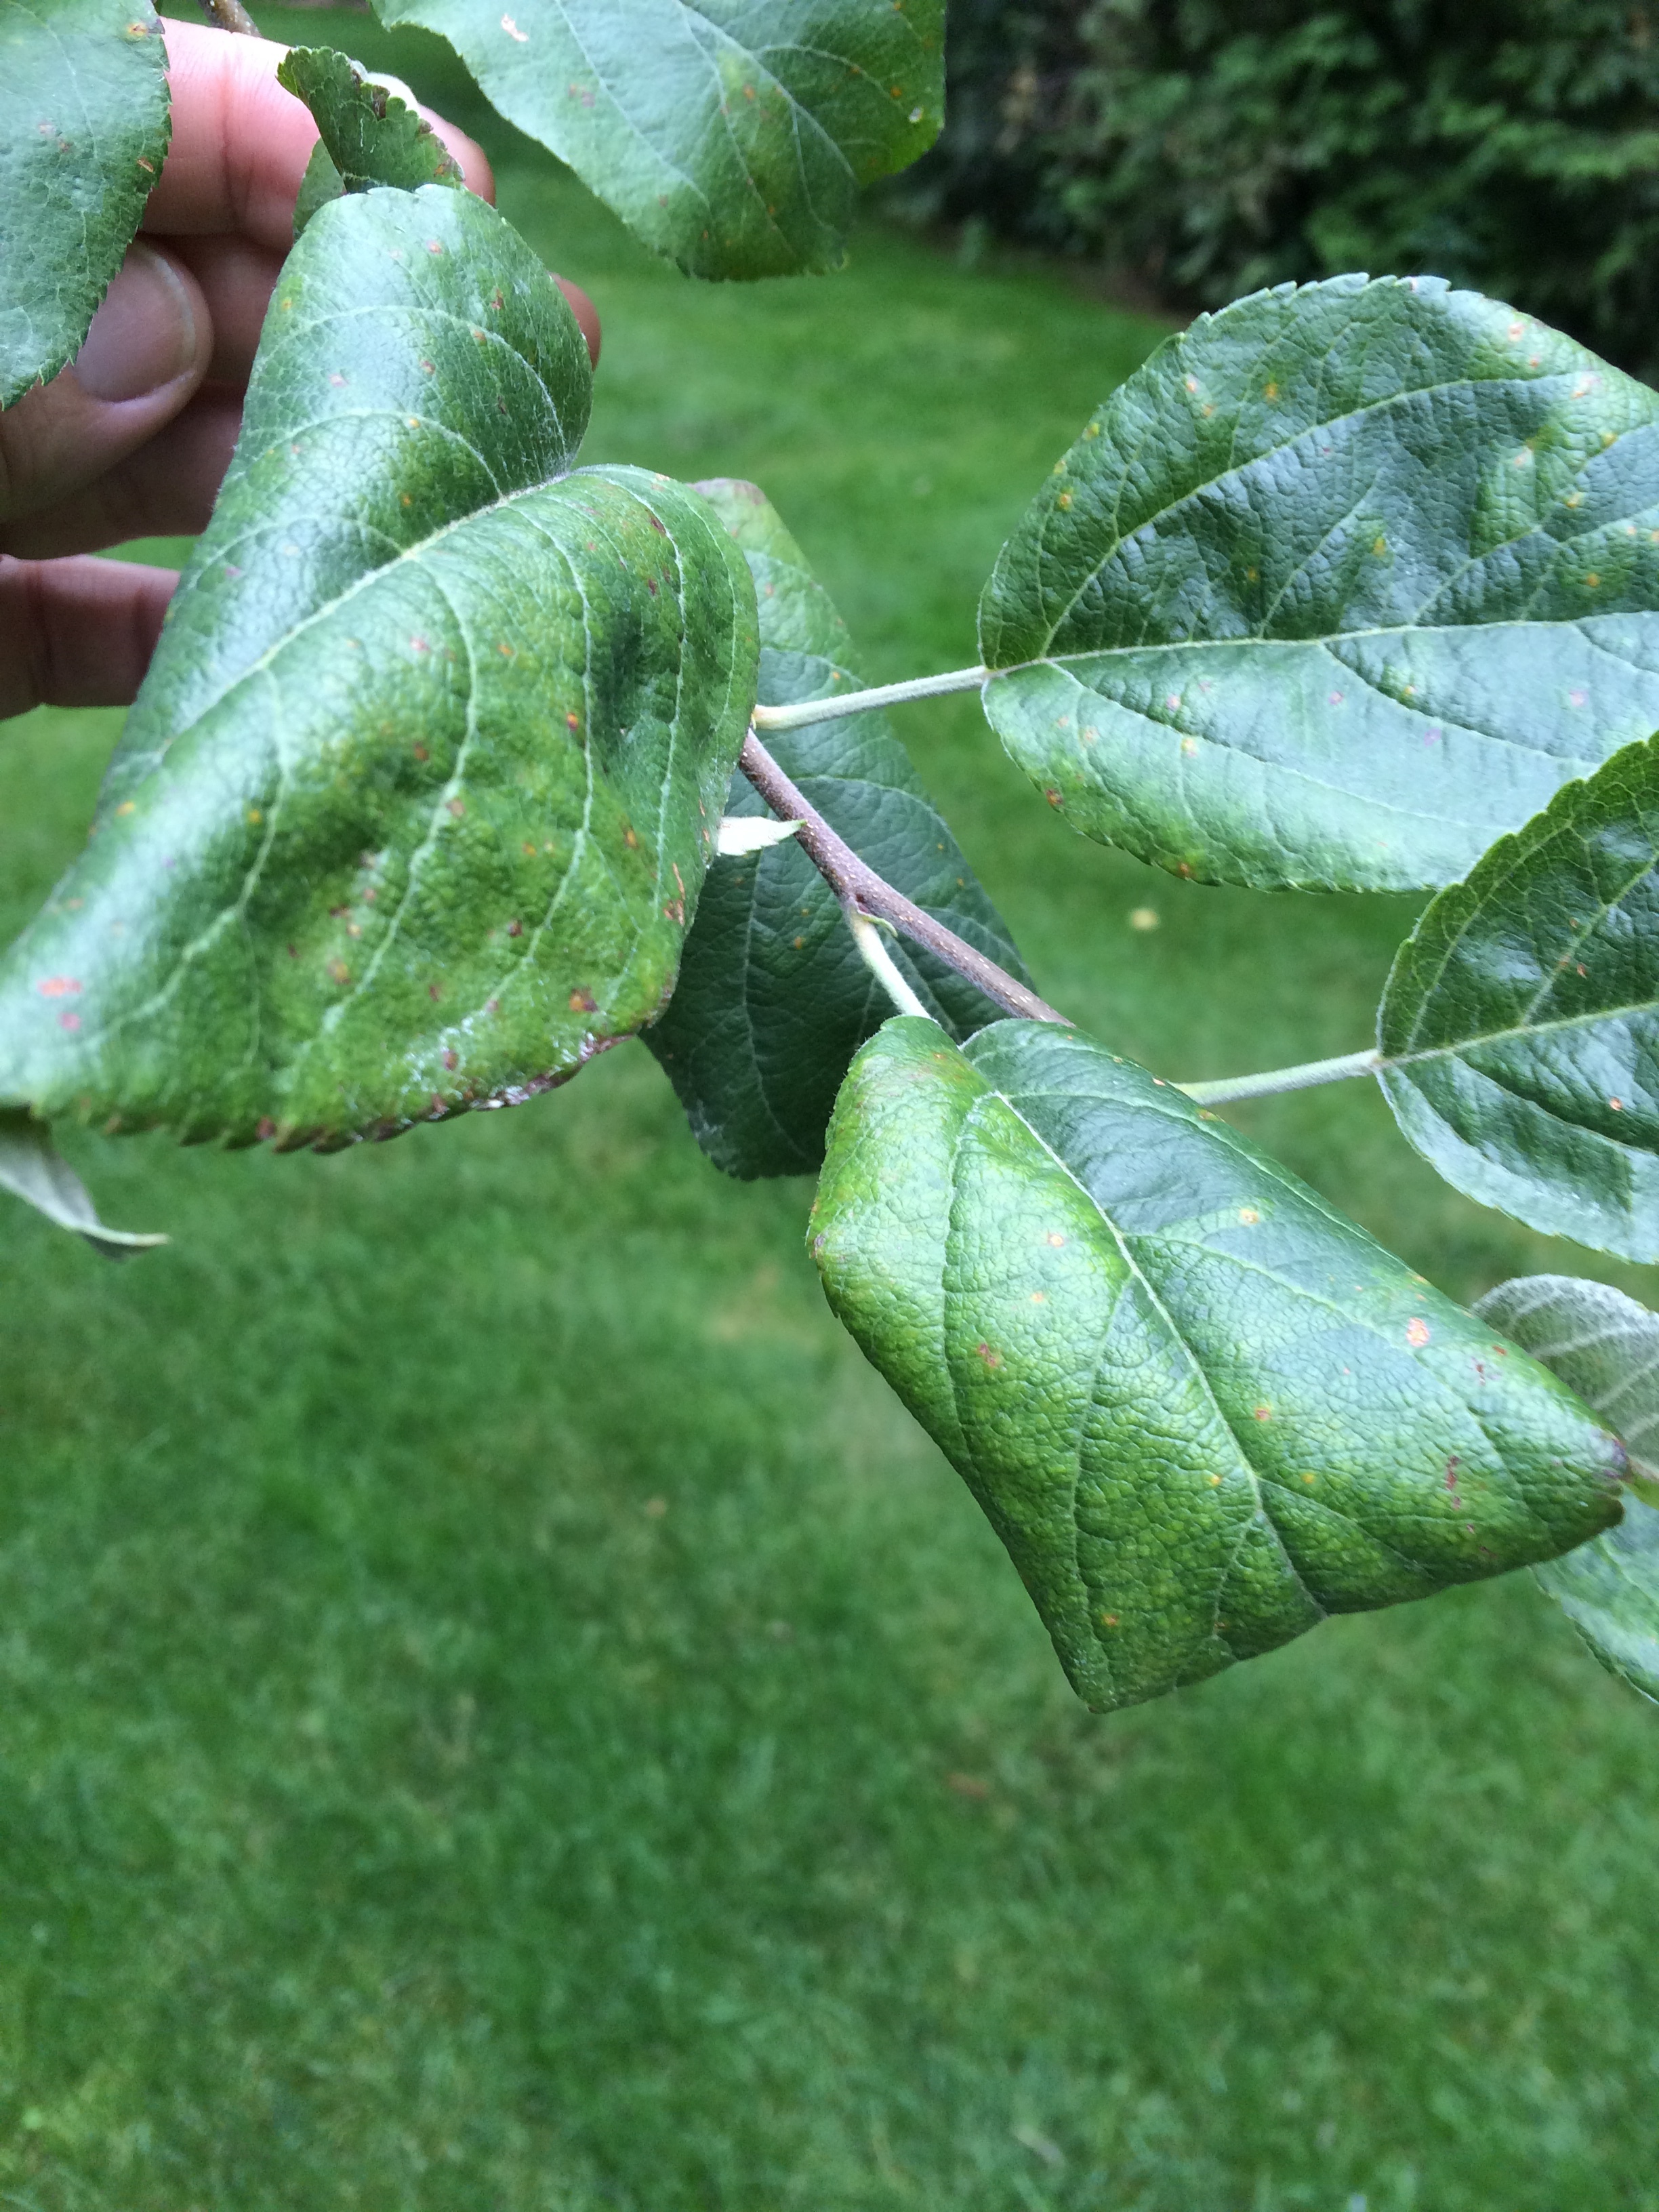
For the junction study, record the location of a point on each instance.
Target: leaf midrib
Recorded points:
(1321, 642)
(1300, 1192)
(1255, 1476)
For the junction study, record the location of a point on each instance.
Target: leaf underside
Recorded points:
(734, 135)
(413, 810)
(1201, 1409)
(369, 136)
(30, 1169)
(1605, 1346)
(1522, 1017)
(1341, 586)
(774, 998)
(83, 131)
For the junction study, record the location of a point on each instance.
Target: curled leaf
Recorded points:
(1200, 1409)
(31, 1169)
(370, 136)
(1605, 1347)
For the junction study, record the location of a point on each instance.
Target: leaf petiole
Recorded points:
(804, 712)
(742, 834)
(867, 936)
(1272, 1080)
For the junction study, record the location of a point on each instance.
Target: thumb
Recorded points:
(144, 356)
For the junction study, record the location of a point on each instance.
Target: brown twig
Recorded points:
(859, 886)
(231, 15)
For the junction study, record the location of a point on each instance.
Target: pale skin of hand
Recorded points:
(132, 439)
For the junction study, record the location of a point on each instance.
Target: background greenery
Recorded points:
(498, 1708)
(1203, 147)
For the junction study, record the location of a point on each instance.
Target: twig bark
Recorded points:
(859, 886)
(231, 15)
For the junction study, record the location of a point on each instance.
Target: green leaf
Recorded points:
(1605, 1346)
(31, 1168)
(1522, 1018)
(735, 136)
(413, 810)
(369, 136)
(1601, 1343)
(1342, 584)
(83, 132)
(1200, 1409)
(774, 998)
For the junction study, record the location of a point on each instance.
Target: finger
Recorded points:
(585, 313)
(78, 633)
(143, 357)
(237, 278)
(165, 490)
(166, 486)
(241, 143)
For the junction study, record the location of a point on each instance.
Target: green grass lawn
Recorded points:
(499, 1712)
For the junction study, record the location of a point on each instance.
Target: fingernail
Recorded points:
(144, 334)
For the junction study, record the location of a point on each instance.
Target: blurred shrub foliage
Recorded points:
(1199, 148)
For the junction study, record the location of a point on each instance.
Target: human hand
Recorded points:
(132, 439)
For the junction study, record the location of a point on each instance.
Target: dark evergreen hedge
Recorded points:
(1206, 147)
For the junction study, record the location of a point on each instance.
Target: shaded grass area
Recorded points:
(499, 1708)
